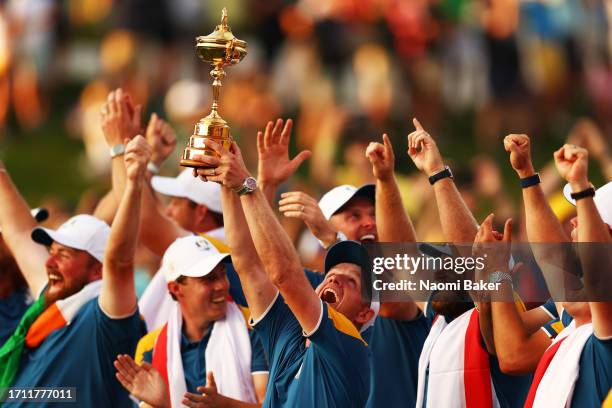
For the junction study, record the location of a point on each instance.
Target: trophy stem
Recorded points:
(218, 74)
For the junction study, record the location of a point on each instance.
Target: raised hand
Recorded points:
(208, 397)
(227, 168)
(142, 381)
(137, 155)
(296, 204)
(572, 163)
(274, 166)
(520, 154)
(382, 159)
(423, 151)
(120, 118)
(162, 139)
(493, 246)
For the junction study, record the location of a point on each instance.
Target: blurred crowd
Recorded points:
(345, 70)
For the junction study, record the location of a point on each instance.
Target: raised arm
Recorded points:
(542, 223)
(572, 163)
(274, 166)
(118, 294)
(277, 254)
(258, 289)
(392, 221)
(17, 223)
(118, 123)
(458, 223)
(158, 231)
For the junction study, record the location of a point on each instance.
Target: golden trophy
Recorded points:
(219, 48)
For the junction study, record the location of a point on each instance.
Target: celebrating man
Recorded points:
(86, 312)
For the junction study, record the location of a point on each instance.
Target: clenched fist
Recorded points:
(520, 154)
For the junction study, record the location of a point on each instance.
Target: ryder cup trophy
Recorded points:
(219, 48)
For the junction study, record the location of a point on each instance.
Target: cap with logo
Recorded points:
(602, 199)
(193, 256)
(82, 232)
(337, 197)
(186, 186)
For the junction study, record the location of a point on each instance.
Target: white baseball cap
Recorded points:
(193, 256)
(602, 199)
(83, 232)
(335, 198)
(186, 186)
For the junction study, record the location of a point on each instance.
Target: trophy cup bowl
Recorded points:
(220, 48)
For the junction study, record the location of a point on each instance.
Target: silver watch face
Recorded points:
(250, 183)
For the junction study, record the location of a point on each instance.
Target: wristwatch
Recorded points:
(117, 150)
(441, 175)
(589, 192)
(248, 186)
(498, 276)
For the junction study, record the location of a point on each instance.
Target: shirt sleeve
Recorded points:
(279, 331)
(553, 328)
(550, 309)
(259, 362)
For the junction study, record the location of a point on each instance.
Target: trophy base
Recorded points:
(213, 127)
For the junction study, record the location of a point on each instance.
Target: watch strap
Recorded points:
(446, 173)
(530, 181)
(589, 192)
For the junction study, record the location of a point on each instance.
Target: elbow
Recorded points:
(513, 364)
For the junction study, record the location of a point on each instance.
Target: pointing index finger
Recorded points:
(417, 124)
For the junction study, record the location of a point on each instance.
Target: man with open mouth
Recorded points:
(317, 355)
(86, 311)
(369, 214)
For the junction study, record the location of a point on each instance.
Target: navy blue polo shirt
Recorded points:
(595, 375)
(395, 347)
(194, 361)
(11, 311)
(334, 371)
(81, 355)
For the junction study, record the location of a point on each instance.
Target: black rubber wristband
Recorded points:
(530, 181)
(589, 192)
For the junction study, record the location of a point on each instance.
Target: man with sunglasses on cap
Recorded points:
(317, 355)
(205, 333)
(87, 312)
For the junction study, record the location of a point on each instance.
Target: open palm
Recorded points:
(142, 381)
(274, 166)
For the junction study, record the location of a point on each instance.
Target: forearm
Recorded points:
(512, 345)
(486, 325)
(257, 288)
(124, 231)
(269, 191)
(542, 223)
(157, 231)
(273, 245)
(458, 223)
(17, 223)
(392, 222)
(15, 217)
(118, 177)
(106, 208)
